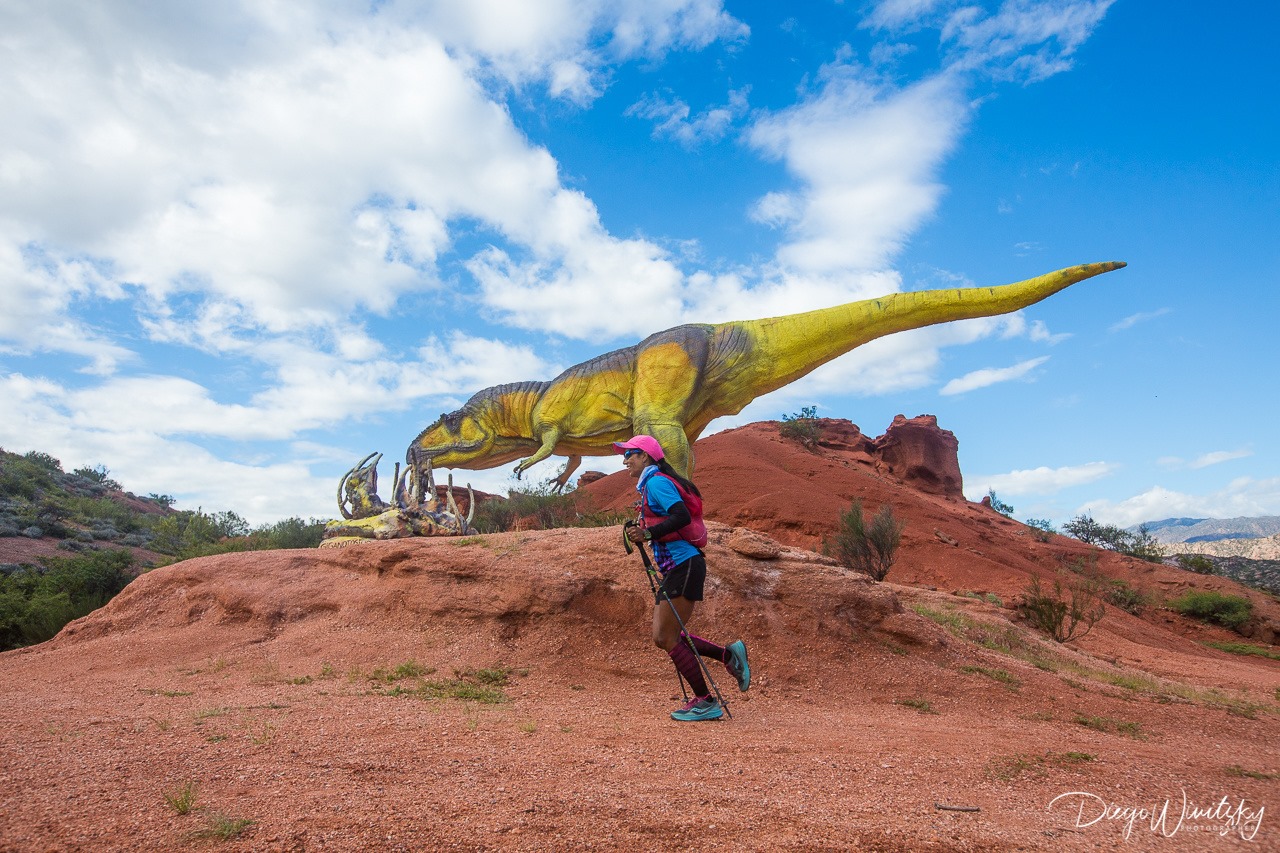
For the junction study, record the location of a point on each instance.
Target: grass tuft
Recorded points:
(921, 705)
(1006, 768)
(1001, 675)
(1239, 772)
(1108, 725)
(222, 827)
(183, 799)
(1245, 649)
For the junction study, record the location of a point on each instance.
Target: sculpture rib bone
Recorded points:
(673, 384)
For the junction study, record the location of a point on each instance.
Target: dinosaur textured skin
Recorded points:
(674, 383)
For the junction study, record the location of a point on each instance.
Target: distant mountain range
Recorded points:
(1170, 531)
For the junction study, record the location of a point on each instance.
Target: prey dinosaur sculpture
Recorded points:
(673, 384)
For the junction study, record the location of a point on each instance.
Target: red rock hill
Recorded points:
(302, 691)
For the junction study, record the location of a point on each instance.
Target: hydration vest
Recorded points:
(695, 532)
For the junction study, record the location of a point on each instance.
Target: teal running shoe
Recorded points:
(737, 664)
(706, 708)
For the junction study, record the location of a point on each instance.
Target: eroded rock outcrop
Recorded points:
(922, 455)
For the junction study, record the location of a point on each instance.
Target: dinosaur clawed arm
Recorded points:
(550, 436)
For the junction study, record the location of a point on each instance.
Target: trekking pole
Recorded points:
(684, 634)
(650, 573)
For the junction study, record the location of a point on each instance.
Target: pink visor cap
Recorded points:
(647, 443)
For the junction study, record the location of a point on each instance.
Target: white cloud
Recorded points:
(38, 293)
(1025, 40)
(1038, 481)
(1040, 333)
(673, 118)
(1002, 44)
(1206, 460)
(991, 376)
(866, 158)
(580, 297)
(897, 14)
(1219, 456)
(1141, 317)
(1241, 497)
(250, 193)
(567, 44)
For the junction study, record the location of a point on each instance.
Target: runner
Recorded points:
(671, 523)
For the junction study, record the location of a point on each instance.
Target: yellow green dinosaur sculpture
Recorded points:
(673, 383)
(670, 385)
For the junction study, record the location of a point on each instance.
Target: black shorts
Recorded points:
(685, 580)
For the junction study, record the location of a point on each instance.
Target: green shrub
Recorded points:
(1197, 563)
(867, 548)
(186, 534)
(97, 474)
(1140, 545)
(999, 505)
(1128, 599)
(542, 507)
(1042, 528)
(1230, 611)
(35, 604)
(802, 427)
(183, 799)
(1068, 611)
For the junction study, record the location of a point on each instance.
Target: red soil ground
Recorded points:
(268, 681)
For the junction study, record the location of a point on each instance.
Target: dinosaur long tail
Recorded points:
(786, 348)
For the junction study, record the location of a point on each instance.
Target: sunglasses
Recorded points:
(629, 453)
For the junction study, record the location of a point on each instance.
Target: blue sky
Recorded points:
(243, 244)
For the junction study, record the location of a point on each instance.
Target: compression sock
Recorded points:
(708, 649)
(687, 664)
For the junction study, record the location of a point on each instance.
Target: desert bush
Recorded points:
(1140, 544)
(867, 548)
(1123, 595)
(1084, 528)
(1042, 528)
(292, 533)
(1197, 563)
(186, 534)
(1068, 611)
(1230, 611)
(1143, 546)
(97, 474)
(36, 603)
(999, 505)
(802, 427)
(542, 507)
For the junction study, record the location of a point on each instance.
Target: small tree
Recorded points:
(1141, 544)
(868, 548)
(98, 474)
(802, 427)
(999, 505)
(1068, 611)
(1197, 563)
(1043, 528)
(1084, 528)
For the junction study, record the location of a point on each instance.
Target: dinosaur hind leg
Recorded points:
(675, 444)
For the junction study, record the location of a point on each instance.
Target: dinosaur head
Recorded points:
(456, 440)
(491, 429)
